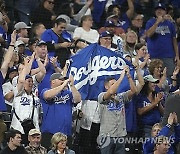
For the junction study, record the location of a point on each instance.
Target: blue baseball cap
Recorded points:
(28, 76)
(39, 43)
(105, 34)
(13, 69)
(109, 23)
(160, 6)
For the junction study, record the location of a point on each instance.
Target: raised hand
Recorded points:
(13, 37)
(71, 80)
(53, 61)
(158, 97)
(159, 19)
(175, 118)
(164, 71)
(171, 118)
(176, 71)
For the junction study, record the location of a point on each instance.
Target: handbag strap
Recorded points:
(32, 110)
(33, 107)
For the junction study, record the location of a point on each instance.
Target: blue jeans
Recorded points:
(114, 147)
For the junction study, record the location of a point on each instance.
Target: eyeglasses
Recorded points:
(50, 2)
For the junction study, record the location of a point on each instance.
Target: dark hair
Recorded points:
(145, 90)
(33, 29)
(11, 134)
(111, 7)
(139, 46)
(59, 21)
(108, 79)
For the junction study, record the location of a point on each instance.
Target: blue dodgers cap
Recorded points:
(39, 43)
(105, 33)
(12, 69)
(109, 23)
(28, 76)
(160, 6)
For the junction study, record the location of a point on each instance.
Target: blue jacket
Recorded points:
(148, 146)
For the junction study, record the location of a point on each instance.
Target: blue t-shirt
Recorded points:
(131, 115)
(151, 117)
(160, 44)
(2, 101)
(45, 83)
(174, 139)
(57, 112)
(50, 37)
(3, 34)
(28, 52)
(124, 22)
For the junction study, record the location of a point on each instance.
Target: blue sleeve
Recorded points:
(164, 131)
(46, 36)
(173, 30)
(177, 133)
(42, 95)
(148, 146)
(140, 103)
(149, 24)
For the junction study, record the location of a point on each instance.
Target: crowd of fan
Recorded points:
(37, 38)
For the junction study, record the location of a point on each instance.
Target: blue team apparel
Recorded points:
(45, 83)
(92, 65)
(151, 117)
(131, 115)
(57, 112)
(2, 101)
(99, 7)
(160, 44)
(49, 36)
(174, 139)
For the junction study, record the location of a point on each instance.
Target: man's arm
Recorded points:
(26, 70)
(113, 89)
(40, 75)
(8, 55)
(49, 94)
(152, 29)
(133, 89)
(75, 92)
(130, 10)
(175, 45)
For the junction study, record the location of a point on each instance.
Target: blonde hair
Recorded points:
(56, 138)
(126, 47)
(156, 125)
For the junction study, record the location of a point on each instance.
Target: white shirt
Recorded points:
(23, 105)
(91, 113)
(91, 36)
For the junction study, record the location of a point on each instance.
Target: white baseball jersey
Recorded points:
(23, 105)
